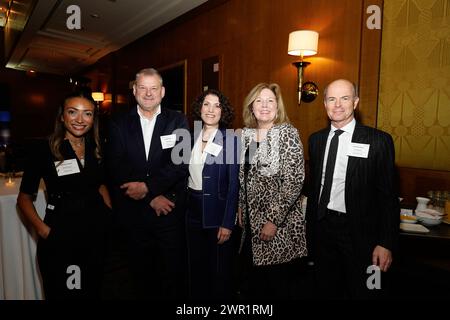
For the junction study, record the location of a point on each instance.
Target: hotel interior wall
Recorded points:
(414, 105)
(33, 100)
(251, 38)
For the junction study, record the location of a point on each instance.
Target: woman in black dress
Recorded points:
(71, 243)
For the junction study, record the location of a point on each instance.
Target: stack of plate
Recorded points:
(429, 217)
(416, 228)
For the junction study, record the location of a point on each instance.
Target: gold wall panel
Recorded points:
(414, 96)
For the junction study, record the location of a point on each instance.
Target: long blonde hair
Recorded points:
(247, 114)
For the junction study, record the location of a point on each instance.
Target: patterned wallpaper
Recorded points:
(414, 97)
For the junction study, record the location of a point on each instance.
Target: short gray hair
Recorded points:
(149, 72)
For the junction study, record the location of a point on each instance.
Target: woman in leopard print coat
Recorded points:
(271, 178)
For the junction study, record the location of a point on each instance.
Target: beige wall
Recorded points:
(414, 105)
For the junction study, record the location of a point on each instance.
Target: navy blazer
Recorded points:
(126, 160)
(220, 182)
(370, 196)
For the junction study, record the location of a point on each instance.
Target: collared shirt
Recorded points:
(198, 158)
(148, 126)
(337, 195)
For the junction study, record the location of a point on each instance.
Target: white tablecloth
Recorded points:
(19, 277)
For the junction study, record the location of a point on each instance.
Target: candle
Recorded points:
(9, 182)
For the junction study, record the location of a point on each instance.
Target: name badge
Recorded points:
(67, 167)
(213, 148)
(360, 150)
(168, 141)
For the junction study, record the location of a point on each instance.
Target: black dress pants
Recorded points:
(157, 257)
(210, 264)
(340, 272)
(267, 282)
(71, 258)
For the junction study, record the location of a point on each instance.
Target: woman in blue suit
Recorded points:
(213, 195)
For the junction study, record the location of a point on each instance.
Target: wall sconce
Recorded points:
(304, 43)
(108, 97)
(121, 99)
(98, 97)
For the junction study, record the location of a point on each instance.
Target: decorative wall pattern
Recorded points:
(414, 96)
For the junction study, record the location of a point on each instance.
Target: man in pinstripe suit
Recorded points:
(353, 209)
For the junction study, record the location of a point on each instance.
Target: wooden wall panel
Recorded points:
(369, 69)
(338, 24)
(417, 182)
(251, 38)
(33, 102)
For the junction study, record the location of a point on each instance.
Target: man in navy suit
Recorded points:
(148, 189)
(352, 208)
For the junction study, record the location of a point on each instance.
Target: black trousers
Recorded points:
(71, 258)
(157, 256)
(210, 264)
(268, 282)
(340, 272)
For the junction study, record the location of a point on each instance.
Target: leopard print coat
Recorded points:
(271, 192)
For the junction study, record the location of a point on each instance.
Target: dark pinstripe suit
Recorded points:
(372, 216)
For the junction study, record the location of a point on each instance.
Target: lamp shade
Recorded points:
(303, 43)
(98, 96)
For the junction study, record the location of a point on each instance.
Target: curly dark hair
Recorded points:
(227, 114)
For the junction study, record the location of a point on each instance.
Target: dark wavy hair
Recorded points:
(227, 114)
(59, 133)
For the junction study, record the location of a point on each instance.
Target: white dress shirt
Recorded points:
(198, 158)
(337, 194)
(148, 125)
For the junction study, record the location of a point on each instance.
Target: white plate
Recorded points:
(408, 221)
(431, 212)
(413, 228)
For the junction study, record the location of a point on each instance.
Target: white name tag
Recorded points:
(213, 148)
(67, 167)
(168, 141)
(360, 150)
(50, 207)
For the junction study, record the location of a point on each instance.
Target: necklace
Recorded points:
(205, 139)
(76, 144)
(207, 134)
